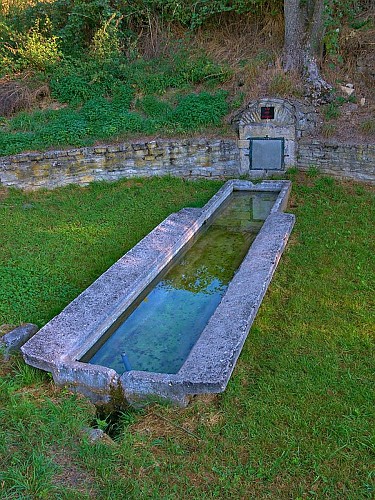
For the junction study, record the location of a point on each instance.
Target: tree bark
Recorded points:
(294, 17)
(303, 45)
(317, 28)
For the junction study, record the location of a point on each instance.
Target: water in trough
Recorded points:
(158, 332)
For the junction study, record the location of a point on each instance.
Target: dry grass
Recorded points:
(358, 52)
(5, 329)
(239, 38)
(355, 123)
(328, 130)
(154, 38)
(357, 57)
(18, 96)
(367, 127)
(251, 46)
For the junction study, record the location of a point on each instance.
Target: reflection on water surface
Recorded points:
(160, 332)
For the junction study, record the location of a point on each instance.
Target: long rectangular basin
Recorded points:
(67, 345)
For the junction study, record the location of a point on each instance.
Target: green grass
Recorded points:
(55, 243)
(110, 101)
(104, 119)
(297, 418)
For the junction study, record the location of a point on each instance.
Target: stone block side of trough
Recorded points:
(71, 333)
(211, 362)
(99, 383)
(351, 161)
(207, 158)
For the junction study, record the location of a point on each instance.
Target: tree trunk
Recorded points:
(317, 28)
(303, 43)
(294, 16)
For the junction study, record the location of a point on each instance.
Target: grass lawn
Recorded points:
(297, 418)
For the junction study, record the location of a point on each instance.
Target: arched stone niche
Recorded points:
(267, 136)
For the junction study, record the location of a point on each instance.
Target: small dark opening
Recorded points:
(267, 112)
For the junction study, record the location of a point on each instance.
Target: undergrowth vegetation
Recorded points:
(87, 70)
(109, 99)
(296, 420)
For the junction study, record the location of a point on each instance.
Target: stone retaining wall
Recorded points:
(178, 157)
(186, 158)
(351, 161)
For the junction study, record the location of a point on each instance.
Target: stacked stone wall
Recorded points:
(351, 161)
(193, 158)
(190, 158)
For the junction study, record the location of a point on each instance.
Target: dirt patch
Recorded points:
(355, 123)
(156, 425)
(71, 475)
(4, 193)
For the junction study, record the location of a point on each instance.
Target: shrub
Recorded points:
(198, 110)
(67, 127)
(105, 44)
(37, 50)
(155, 108)
(95, 109)
(122, 96)
(78, 82)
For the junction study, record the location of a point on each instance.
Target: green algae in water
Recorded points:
(160, 332)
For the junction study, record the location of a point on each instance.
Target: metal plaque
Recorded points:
(266, 153)
(267, 112)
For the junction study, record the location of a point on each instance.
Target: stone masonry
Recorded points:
(190, 158)
(291, 121)
(178, 157)
(351, 161)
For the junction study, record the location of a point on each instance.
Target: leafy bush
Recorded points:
(199, 110)
(106, 41)
(76, 82)
(37, 50)
(94, 109)
(155, 108)
(122, 96)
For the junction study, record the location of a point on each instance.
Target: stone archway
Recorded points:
(268, 132)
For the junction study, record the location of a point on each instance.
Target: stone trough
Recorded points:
(60, 345)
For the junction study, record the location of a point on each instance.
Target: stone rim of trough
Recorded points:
(69, 335)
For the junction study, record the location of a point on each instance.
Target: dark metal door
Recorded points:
(266, 153)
